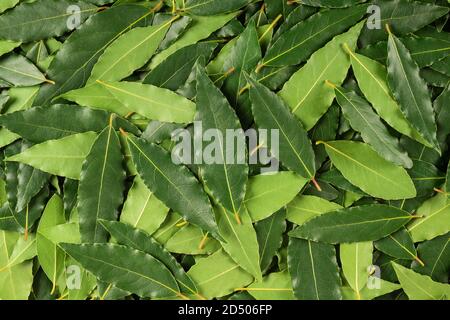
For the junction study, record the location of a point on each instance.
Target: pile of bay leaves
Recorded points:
(94, 207)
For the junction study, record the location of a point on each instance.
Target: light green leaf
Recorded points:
(50, 256)
(434, 219)
(364, 168)
(7, 46)
(62, 157)
(240, 240)
(305, 207)
(372, 80)
(374, 291)
(128, 53)
(142, 209)
(274, 286)
(356, 258)
(420, 287)
(152, 102)
(191, 240)
(218, 275)
(306, 93)
(267, 193)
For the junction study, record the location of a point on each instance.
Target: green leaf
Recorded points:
(399, 245)
(190, 239)
(58, 121)
(97, 96)
(200, 29)
(128, 269)
(332, 3)
(435, 255)
(128, 53)
(164, 179)
(22, 221)
(62, 157)
(447, 181)
(7, 4)
(305, 207)
(101, 185)
(7, 46)
(20, 98)
(420, 287)
(267, 193)
(174, 71)
(355, 224)
(141, 98)
(362, 118)
(274, 286)
(410, 90)
(306, 93)
(243, 58)
(24, 249)
(50, 256)
(42, 19)
(226, 177)
(295, 150)
(364, 168)
(20, 72)
(78, 55)
(212, 7)
(297, 15)
(87, 281)
(366, 293)
(270, 237)
(15, 279)
(434, 219)
(372, 80)
(424, 50)
(129, 236)
(403, 16)
(297, 44)
(30, 182)
(218, 275)
(314, 270)
(142, 209)
(240, 240)
(356, 258)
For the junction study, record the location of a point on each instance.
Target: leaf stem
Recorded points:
(26, 226)
(203, 241)
(123, 132)
(419, 261)
(388, 29)
(316, 184)
(238, 219)
(330, 84)
(270, 27)
(226, 74)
